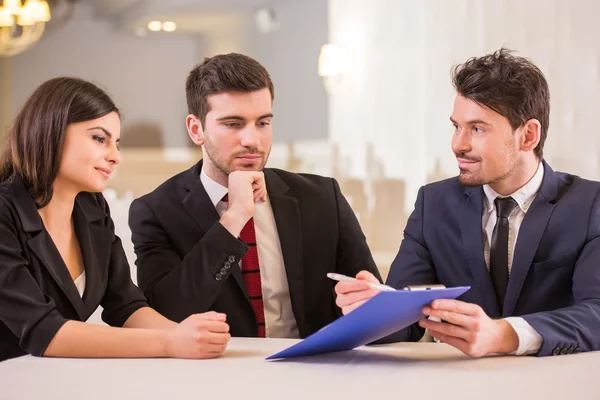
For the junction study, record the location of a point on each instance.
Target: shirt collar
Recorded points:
(215, 190)
(524, 196)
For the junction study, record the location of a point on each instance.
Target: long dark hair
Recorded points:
(34, 144)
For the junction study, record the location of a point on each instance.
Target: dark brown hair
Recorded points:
(509, 85)
(33, 146)
(224, 73)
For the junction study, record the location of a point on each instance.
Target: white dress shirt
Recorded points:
(530, 340)
(279, 317)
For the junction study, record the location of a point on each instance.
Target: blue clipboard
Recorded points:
(382, 315)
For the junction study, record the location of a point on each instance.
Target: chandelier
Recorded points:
(21, 24)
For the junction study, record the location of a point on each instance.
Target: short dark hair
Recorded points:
(34, 144)
(511, 86)
(224, 73)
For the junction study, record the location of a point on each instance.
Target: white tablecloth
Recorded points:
(400, 371)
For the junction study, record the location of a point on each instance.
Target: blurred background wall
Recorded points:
(377, 118)
(389, 108)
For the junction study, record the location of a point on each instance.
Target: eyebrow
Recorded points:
(107, 133)
(472, 122)
(238, 118)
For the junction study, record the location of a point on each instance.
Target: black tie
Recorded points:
(499, 248)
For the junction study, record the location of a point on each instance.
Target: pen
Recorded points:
(378, 286)
(385, 288)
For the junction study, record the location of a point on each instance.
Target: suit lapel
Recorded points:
(287, 219)
(45, 250)
(470, 214)
(197, 202)
(203, 212)
(530, 234)
(95, 244)
(41, 244)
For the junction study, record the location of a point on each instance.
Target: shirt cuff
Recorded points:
(530, 340)
(436, 319)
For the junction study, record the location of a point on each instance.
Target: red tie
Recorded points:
(251, 274)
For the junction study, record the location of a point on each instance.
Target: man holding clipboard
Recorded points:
(524, 237)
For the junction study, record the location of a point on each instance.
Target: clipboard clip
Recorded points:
(414, 288)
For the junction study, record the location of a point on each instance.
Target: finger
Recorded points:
(212, 316)
(197, 319)
(212, 350)
(256, 187)
(354, 297)
(451, 317)
(258, 198)
(445, 329)
(260, 194)
(345, 287)
(218, 338)
(350, 308)
(367, 276)
(457, 343)
(455, 306)
(214, 326)
(258, 177)
(263, 190)
(219, 348)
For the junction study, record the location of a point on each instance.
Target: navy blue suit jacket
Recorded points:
(554, 282)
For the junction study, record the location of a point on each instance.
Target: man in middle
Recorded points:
(231, 236)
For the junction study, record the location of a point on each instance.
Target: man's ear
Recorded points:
(531, 134)
(194, 128)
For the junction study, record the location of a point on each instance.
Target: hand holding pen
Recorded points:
(352, 293)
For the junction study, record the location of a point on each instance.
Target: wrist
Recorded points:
(165, 339)
(508, 341)
(234, 221)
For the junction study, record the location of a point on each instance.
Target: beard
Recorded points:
(224, 163)
(471, 179)
(477, 178)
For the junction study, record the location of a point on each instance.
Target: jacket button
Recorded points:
(231, 259)
(556, 351)
(223, 271)
(218, 277)
(227, 264)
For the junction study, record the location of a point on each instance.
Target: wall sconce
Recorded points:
(333, 60)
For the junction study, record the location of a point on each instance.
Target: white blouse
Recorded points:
(80, 283)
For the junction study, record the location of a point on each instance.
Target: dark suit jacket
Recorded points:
(182, 249)
(554, 281)
(37, 293)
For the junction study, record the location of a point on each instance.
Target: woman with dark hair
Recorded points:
(59, 256)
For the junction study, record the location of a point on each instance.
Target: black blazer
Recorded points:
(182, 249)
(37, 293)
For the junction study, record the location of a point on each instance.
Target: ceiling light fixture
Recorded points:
(154, 26)
(21, 25)
(169, 26)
